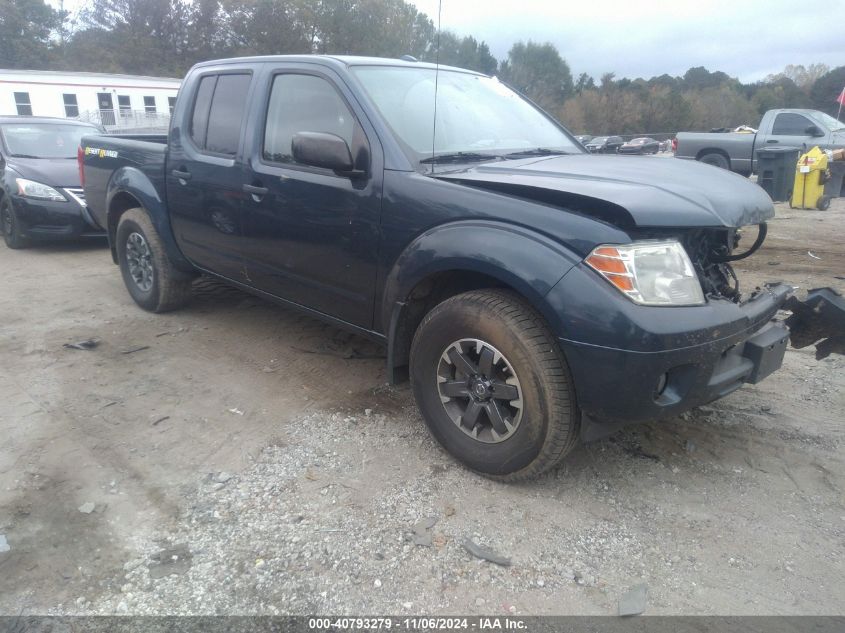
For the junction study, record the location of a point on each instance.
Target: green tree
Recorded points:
(826, 89)
(538, 71)
(465, 52)
(25, 30)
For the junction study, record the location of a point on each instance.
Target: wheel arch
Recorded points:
(713, 150)
(464, 256)
(130, 188)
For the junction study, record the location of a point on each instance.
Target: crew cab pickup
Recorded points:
(532, 292)
(737, 150)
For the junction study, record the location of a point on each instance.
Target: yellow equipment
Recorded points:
(810, 176)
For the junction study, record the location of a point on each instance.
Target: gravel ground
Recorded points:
(252, 461)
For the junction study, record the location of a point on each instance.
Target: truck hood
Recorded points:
(627, 191)
(55, 172)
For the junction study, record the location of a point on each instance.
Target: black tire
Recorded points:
(10, 227)
(162, 287)
(546, 425)
(823, 203)
(716, 159)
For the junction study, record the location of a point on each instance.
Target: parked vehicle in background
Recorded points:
(534, 293)
(641, 145)
(604, 144)
(736, 150)
(583, 138)
(41, 196)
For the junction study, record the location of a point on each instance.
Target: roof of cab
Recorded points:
(333, 60)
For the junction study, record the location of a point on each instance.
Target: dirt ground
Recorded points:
(242, 458)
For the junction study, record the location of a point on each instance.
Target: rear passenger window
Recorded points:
(218, 112)
(303, 103)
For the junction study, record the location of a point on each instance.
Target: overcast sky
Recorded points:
(748, 39)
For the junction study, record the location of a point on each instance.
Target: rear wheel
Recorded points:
(10, 226)
(716, 159)
(150, 277)
(823, 203)
(493, 386)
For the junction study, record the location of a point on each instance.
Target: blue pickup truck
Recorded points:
(534, 294)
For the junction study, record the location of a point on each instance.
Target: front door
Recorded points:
(106, 105)
(205, 174)
(790, 129)
(311, 236)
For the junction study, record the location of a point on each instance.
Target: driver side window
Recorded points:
(791, 124)
(303, 103)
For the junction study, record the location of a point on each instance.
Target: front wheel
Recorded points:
(10, 226)
(493, 386)
(150, 277)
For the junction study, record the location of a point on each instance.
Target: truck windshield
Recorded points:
(829, 122)
(48, 140)
(475, 114)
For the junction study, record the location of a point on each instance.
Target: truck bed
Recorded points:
(118, 157)
(737, 146)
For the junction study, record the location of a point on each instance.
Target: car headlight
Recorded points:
(649, 272)
(37, 190)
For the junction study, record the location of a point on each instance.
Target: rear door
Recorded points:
(205, 171)
(312, 235)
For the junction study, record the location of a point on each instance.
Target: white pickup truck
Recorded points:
(736, 150)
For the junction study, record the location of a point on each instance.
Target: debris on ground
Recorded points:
(4, 544)
(135, 349)
(171, 560)
(485, 553)
(90, 343)
(422, 531)
(87, 508)
(236, 411)
(634, 601)
(162, 419)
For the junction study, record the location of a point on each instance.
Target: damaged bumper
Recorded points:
(819, 319)
(638, 363)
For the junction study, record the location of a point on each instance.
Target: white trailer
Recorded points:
(118, 102)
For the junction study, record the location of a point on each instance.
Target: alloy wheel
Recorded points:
(479, 390)
(139, 260)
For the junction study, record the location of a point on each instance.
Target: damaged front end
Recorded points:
(819, 318)
(712, 250)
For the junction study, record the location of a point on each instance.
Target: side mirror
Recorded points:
(321, 149)
(813, 130)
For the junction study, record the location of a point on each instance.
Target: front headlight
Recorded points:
(649, 272)
(32, 189)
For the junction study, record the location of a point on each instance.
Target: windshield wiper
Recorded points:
(459, 157)
(24, 156)
(537, 151)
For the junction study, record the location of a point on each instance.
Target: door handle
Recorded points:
(771, 140)
(181, 175)
(256, 191)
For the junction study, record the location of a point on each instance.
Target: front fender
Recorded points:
(132, 182)
(528, 262)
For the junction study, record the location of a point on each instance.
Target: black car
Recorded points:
(641, 145)
(604, 144)
(41, 195)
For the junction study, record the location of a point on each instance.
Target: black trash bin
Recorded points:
(776, 171)
(833, 187)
